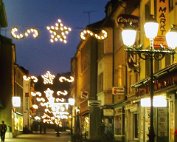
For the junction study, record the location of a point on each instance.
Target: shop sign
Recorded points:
(132, 107)
(118, 90)
(162, 19)
(108, 112)
(84, 95)
(94, 103)
(163, 16)
(118, 111)
(126, 20)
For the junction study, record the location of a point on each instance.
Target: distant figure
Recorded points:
(3, 129)
(109, 137)
(44, 128)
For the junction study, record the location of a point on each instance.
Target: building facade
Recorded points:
(122, 78)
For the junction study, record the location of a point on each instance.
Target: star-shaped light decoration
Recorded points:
(49, 93)
(58, 32)
(48, 78)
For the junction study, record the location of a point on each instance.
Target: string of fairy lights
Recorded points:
(55, 108)
(58, 33)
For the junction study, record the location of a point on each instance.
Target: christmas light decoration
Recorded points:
(62, 79)
(101, 36)
(32, 78)
(58, 32)
(62, 100)
(26, 78)
(48, 78)
(35, 106)
(31, 31)
(62, 93)
(35, 94)
(49, 93)
(54, 108)
(37, 118)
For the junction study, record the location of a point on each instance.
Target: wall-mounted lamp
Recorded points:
(16, 101)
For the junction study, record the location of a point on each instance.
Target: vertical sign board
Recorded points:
(163, 20)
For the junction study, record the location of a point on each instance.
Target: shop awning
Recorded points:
(161, 73)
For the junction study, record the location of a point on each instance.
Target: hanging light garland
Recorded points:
(31, 77)
(62, 79)
(64, 93)
(101, 36)
(55, 108)
(17, 35)
(58, 32)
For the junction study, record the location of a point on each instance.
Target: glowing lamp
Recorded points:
(71, 101)
(151, 29)
(16, 101)
(158, 101)
(171, 37)
(129, 37)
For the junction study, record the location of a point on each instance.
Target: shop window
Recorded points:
(100, 82)
(157, 66)
(119, 121)
(135, 127)
(118, 124)
(170, 5)
(167, 60)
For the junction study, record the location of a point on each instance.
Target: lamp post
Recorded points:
(151, 54)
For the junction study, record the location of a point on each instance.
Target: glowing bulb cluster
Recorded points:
(100, 36)
(31, 77)
(62, 79)
(58, 32)
(48, 78)
(62, 93)
(31, 31)
(55, 108)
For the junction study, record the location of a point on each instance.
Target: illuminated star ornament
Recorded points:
(19, 35)
(58, 32)
(48, 78)
(101, 36)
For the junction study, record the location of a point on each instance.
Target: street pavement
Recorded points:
(36, 137)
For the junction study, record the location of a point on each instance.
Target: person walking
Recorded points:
(3, 129)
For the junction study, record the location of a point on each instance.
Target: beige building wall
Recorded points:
(105, 68)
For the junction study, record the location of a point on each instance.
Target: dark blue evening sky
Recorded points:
(39, 55)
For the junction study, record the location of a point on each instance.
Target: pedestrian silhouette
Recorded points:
(3, 129)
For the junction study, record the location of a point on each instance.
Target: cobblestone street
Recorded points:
(49, 137)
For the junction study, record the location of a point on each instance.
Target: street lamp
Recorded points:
(151, 29)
